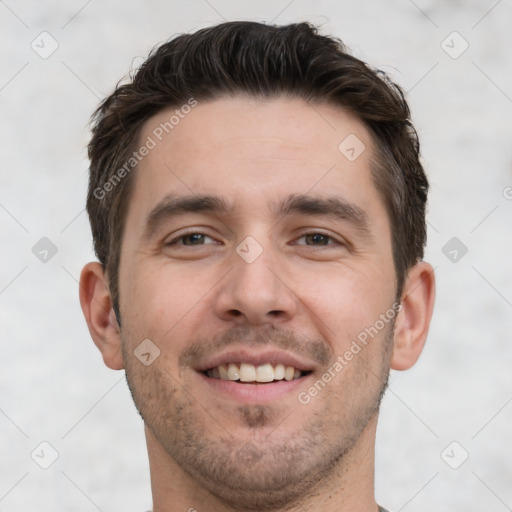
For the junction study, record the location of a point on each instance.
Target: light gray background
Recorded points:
(54, 385)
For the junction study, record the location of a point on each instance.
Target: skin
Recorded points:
(207, 449)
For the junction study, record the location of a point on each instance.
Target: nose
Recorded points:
(255, 292)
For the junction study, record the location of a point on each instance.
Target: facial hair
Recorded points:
(264, 469)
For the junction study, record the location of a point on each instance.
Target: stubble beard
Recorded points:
(262, 471)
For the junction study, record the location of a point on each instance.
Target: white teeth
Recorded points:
(233, 372)
(265, 373)
(246, 372)
(289, 373)
(279, 372)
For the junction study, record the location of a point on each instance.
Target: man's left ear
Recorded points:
(413, 320)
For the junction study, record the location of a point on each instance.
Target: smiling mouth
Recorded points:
(248, 373)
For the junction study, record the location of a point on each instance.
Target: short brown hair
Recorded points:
(263, 61)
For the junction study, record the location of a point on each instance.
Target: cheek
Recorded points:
(343, 301)
(157, 301)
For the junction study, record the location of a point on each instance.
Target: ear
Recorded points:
(97, 308)
(413, 320)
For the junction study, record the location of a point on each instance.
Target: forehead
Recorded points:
(254, 153)
(286, 123)
(254, 150)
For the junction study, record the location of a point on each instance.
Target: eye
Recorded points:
(191, 239)
(318, 239)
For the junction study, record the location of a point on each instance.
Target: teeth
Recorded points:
(223, 372)
(279, 372)
(265, 373)
(233, 372)
(246, 372)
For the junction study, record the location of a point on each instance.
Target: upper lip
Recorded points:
(256, 358)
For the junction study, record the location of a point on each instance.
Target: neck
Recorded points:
(348, 488)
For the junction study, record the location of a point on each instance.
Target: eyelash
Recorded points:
(330, 238)
(312, 233)
(175, 241)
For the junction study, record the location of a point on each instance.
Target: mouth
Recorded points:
(251, 376)
(255, 374)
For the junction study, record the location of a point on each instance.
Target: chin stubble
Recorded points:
(260, 472)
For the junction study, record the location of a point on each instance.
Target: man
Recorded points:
(258, 211)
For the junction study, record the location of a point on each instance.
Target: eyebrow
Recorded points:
(331, 206)
(173, 205)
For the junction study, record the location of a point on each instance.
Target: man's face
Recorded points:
(251, 238)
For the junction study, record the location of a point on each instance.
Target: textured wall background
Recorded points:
(60, 58)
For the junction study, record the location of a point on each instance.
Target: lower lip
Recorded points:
(255, 393)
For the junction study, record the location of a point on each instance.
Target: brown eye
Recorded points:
(193, 239)
(317, 239)
(190, 240)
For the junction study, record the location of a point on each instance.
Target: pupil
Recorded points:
(318, 239)
(194, 238)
